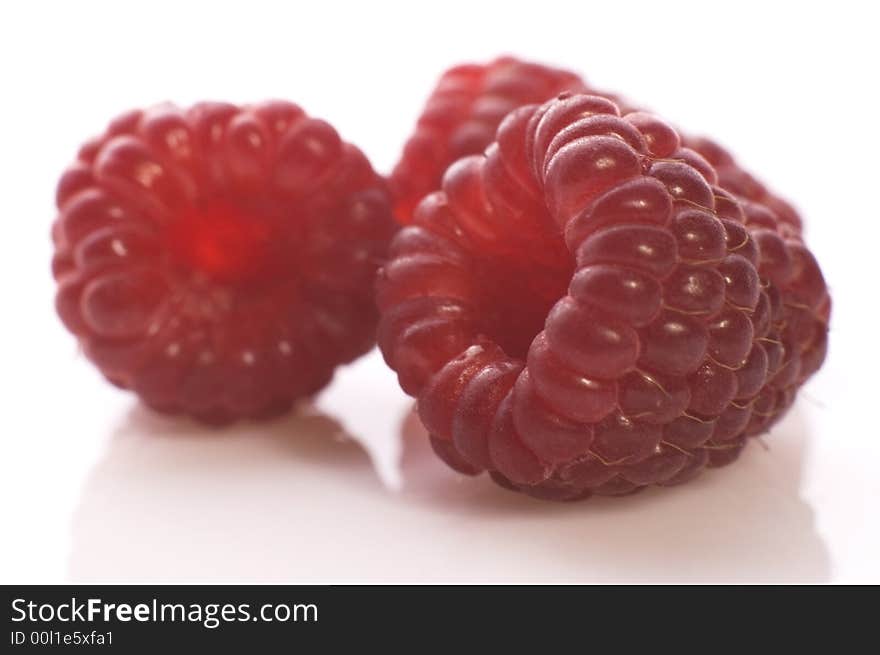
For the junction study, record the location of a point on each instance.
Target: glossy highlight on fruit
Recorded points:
(582, 309)
(217, 260)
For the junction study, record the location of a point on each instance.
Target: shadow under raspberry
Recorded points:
(297, 500)
(175, 501)
(742, 523)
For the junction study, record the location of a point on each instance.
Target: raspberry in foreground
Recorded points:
(218, 260)
(583, 310)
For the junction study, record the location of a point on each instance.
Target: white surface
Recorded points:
(95, 488)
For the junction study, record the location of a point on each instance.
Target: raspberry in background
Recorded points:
(469, 102)
(583, 310)
(461, 116)
(218, 260)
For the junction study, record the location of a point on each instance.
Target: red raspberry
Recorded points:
(583, 310)
(461, 116)
(217, 260)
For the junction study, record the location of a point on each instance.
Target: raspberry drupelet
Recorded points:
(583, 310)
(218, 260)
(742, 183)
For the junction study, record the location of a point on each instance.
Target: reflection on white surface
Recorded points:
(296, 500)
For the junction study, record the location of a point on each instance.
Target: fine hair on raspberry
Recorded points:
(584, 308)
(218, 260)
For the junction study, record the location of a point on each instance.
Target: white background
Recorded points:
(95, 488)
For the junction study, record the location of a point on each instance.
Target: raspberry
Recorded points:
(461, 116)
(469, 102)
(583, 310)
(218, 260)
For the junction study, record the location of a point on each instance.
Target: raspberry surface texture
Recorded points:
(582, 309)
(461, 116)
(218, 260)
